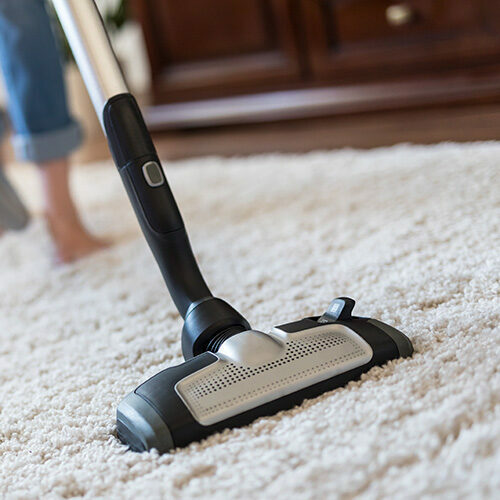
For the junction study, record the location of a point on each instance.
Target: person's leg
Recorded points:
(13, 214)
(65, 226)
(45, 132)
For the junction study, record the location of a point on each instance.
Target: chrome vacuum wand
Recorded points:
(232, 374)
(89, 42)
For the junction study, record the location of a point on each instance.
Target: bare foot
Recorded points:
(72, 241)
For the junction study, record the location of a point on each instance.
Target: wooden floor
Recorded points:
(472, 123)
(426, 126)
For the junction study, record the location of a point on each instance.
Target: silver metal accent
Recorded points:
(146, 171)
(399, 14)
(251, 348)
(89, 42)
(289, 362)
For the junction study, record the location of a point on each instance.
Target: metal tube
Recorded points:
(89, 42)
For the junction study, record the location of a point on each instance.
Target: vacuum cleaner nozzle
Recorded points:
(253, 374)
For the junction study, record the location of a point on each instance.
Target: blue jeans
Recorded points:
(31, 64)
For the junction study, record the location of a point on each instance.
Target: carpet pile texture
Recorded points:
(410, 232)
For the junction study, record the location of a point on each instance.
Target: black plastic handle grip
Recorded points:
(207, 319)
(159, 217)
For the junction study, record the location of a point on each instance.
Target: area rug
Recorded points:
(410, 232)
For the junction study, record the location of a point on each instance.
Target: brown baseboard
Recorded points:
(421, 126)
(325, 101)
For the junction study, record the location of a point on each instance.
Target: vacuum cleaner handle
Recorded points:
(142, 174)
(153, 202)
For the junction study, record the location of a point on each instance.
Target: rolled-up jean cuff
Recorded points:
(47, 146)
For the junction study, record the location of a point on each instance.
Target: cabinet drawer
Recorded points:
(368, 21)
(358, 40)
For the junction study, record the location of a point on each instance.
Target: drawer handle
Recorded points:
(399, 14)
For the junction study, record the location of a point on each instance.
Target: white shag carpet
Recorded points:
(411, 232)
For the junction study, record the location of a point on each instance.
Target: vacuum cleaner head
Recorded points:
(233, 374)
(255, 374)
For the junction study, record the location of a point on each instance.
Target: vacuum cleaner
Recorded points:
(232, 374)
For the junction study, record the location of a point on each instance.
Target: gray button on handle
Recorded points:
(153, 174)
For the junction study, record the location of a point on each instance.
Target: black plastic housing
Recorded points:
(205, 321)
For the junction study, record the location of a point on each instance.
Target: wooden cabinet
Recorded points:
(271, 59)
(207, 48)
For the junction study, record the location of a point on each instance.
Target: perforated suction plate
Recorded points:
(293, 361)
